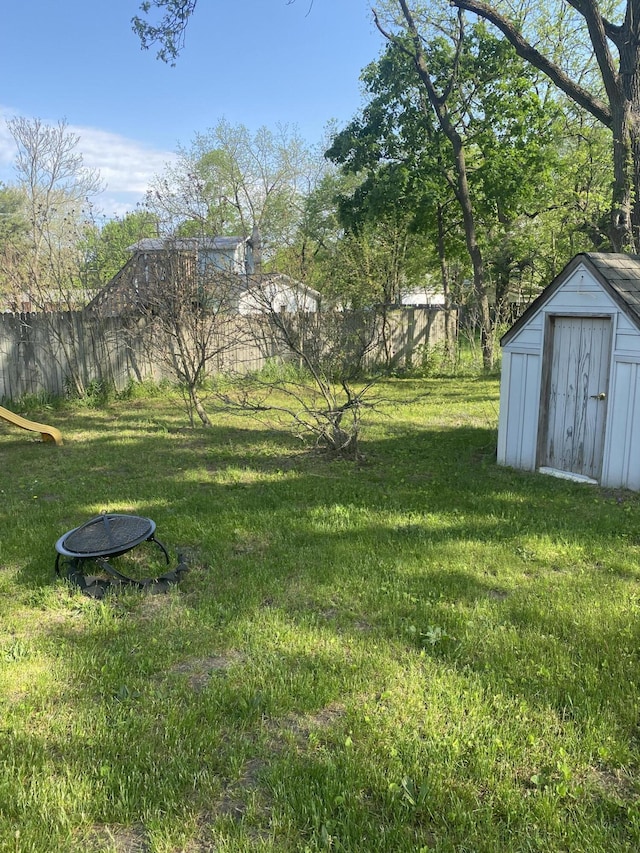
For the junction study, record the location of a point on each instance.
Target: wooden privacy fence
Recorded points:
(53, 352)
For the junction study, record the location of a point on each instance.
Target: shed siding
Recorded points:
(529, 338)
(580, 296)
(622, 453)
(627, 340)
(578, 293)
(520, 401)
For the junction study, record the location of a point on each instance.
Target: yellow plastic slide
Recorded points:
(48, 433)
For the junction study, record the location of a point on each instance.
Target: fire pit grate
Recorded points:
(110, 535)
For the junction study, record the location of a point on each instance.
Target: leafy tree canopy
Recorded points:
(13, 222)
(230, 179)
(515, 140)
(107, 247)
(168, 30)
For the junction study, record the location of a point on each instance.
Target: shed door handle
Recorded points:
(600, 396)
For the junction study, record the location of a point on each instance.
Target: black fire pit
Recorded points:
(105, 536)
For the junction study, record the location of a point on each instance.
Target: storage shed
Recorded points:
(570, 387)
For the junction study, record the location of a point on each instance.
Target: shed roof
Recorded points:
(619, 275)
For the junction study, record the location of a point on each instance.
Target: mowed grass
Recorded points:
(422, 651)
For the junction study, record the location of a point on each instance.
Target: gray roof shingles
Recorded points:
(619, 274)
(158, 244)
(622, 274)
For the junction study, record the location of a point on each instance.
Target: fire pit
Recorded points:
(105, 536)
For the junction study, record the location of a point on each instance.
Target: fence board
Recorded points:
(40, 352)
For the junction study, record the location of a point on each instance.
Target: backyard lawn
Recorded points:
(419, 651)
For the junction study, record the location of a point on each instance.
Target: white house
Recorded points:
(428, 296)
(570, 385)
(276, 292)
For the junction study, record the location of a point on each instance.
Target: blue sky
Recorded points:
(255, 62)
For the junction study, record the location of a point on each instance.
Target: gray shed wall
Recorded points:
(581, 295)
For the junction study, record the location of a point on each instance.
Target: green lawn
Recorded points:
(421, 651)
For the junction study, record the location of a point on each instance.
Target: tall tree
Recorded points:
(56, 191)
(439, 100)
(396, 153)
(13, 241)
(615, 102)
(485, 123)
(514, 144)
(231, 180)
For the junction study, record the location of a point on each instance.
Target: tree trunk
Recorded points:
(197, 406)
(620, 112)
(625, 124)
(475, 253)
(449, 331)
(460, 185)
(624, 229)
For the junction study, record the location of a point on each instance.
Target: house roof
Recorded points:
(286, 281)
(619, 275)
(186, 244)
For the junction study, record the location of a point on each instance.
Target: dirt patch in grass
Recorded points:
(236, 797)
(233, 802)
(119, 839)
(332, 614)
(250, 544)
(301, 726)
(615, 784)
(151, 605)
(199, 670)
(324, 718)
(497, 594)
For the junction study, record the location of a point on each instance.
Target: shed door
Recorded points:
(576, 399)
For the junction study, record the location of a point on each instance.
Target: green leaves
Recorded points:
(169, 32)
(530, 198)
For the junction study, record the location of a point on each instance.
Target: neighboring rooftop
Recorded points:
(186, 244)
